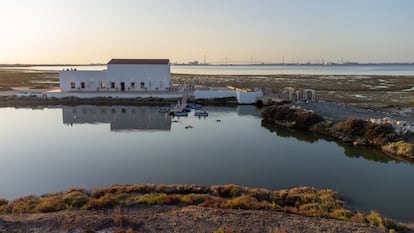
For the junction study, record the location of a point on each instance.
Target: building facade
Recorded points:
(121, 75)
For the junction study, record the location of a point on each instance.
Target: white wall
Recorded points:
(248, 97)
(124, 95)
(153, 76)
(242, 97)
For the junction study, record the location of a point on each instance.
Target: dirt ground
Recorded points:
(392, 92)
(175, 219)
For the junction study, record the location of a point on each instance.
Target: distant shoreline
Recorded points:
(229, 64)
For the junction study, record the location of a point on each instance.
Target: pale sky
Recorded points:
(94, 31)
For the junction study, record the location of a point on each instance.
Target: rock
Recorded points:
(296, 118)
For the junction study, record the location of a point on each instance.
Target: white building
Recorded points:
(121, 75)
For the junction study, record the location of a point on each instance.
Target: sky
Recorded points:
(94, 31)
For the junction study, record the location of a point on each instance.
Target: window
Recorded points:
(103, 85)
(82, 84)
(112, 84)
(132, 84)
(72, 85)
(142, 85)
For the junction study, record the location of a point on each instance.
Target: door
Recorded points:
(122, 86)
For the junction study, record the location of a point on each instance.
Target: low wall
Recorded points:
(214, 94)
(248, 97)
(242, 97)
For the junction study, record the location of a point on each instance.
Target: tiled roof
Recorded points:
(139, 61)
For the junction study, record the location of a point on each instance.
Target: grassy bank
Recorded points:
(304, 201)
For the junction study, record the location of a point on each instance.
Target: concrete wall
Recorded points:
(152, 77)
(248, 97)
(242, 97)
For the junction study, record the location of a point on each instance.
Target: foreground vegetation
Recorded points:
(304, 201)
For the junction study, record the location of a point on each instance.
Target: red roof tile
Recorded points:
(139, 61)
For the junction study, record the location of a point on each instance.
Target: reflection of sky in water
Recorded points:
(42, 152)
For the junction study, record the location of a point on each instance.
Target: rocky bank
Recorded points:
(353, 130)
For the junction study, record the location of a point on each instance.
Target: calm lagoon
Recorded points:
(56, 148)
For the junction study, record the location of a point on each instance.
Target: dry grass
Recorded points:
(378, 90)
(20, 78)
(303, 201)
(400, 148)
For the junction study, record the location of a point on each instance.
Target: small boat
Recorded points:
(201, 113)
(195, 106)
(182, 113)
(163, 109)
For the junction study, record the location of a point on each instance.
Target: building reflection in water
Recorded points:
(119, 117)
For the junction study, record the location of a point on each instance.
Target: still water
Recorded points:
(55, 148)
(383, 69)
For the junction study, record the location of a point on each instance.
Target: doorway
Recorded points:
(122, 86)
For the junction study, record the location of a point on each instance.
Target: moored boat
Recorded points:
(182, 113)
(195, 106)
(201, 113)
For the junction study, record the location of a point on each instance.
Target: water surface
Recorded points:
(53, 149)
(383, 69)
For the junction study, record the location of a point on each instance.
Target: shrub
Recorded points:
(194, 199)
(359, 217)
(400, 148)
(75, 199)
(150, 199)
(3, 201)
(105, 201)
(213, 202)
(172, 199)
(50, 204)
(375, 219)
(242, 202)
(341, 214)
(227, 191)
(24, 205)
(260, 194)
